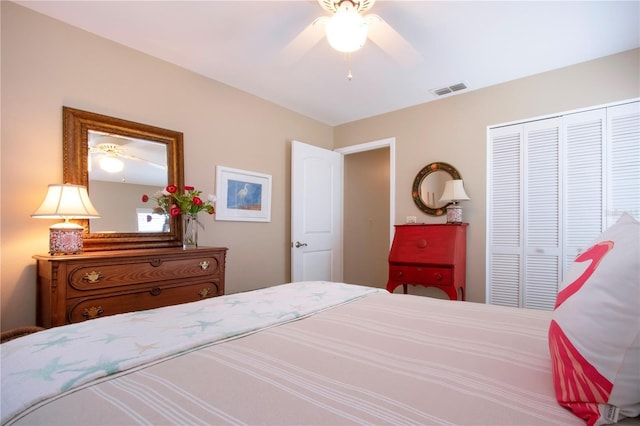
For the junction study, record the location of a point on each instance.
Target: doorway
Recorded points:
(369, 207)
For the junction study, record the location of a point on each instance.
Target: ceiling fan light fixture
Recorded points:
(347, 29)
(111, 164)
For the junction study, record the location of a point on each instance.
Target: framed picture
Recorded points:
(242, 195)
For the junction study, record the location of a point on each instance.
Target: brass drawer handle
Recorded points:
(92, 312)
(204, 293)
(204, 265)
(155, 291)
(92, 277)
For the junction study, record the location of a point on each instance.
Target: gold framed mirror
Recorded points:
(429, 185)
(144, 159)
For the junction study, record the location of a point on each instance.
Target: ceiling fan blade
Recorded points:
(391, 42)
(304, 41)
(142, 160)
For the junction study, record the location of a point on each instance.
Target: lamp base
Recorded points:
(65, 238)
(454, 213)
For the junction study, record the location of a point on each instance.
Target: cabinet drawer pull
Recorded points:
(156, 262)
(204, 265)
(204, 293)
(92, 312)
(92, 277)
(155, 291)
(438, 276)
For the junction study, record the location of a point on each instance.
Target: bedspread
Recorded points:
(367, 357)
(49, 363)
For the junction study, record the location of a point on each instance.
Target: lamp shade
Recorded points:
(454, 191)
(66, 201)
(347, 29)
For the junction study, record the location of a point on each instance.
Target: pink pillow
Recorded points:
(594, 337)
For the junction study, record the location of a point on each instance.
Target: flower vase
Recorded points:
(189, 231)
(166, 227)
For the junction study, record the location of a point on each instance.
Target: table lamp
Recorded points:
(66, 201)
(454, 192)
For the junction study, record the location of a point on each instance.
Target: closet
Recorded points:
(553, 185)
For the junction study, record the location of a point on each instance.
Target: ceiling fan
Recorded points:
(112, 151)
(347, 30)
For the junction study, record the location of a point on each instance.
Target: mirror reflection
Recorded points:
(432, 187)
(428, 187)
(123, 168)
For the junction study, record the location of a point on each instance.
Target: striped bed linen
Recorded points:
(380, 359)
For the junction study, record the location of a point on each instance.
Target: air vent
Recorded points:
(450, 89)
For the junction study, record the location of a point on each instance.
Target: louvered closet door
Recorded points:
(541, 188)
(583, 171)
(554, 186)
(524, 211)
(623, 185)
(504, 243)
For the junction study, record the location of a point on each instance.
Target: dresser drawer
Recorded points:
(82, 309)
(112, 275)
(421, 275)
(74, 288)
(433, 244)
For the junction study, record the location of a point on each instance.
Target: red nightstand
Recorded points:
(430, 256)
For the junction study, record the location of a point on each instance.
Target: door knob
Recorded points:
(299, 244)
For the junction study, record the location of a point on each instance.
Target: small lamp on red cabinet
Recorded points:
(454, 192)
(66, 201)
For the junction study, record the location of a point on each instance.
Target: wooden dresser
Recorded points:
(430, 256)
(74, 288)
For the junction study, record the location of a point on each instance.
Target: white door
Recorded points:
(316, 213)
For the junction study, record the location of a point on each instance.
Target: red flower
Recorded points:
(175, 202)
(175, 211)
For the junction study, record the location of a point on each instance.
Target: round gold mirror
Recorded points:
(429, 185)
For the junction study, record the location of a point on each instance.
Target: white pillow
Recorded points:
(594, 337)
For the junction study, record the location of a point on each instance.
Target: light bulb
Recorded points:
(347, 29)
(111, 164)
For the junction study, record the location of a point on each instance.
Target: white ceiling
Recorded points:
(247, 45)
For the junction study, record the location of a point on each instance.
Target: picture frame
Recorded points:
(242, 195)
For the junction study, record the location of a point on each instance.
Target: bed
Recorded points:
(301, 353)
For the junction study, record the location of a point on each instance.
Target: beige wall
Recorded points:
(454, 130)
(47, 64)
